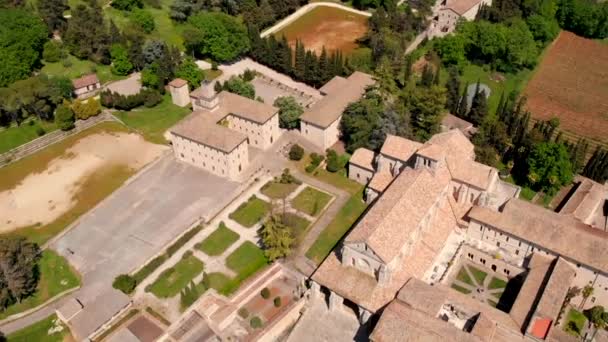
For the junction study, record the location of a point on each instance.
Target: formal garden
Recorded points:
(479, 284)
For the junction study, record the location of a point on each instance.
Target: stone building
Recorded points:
(320, 124)
(86, 86)
(179, 92)
(221, 129)
(451, 12)
(395, 263)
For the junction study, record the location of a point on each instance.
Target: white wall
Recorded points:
(359, 174)
(261, 136)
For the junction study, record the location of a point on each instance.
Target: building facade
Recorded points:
(86, 86)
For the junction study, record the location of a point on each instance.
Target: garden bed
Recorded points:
(218, 241)
(174, 279)
(311, 201)
(250, 212)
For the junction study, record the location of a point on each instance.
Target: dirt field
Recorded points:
(42, 197)
(331, 27)
(571, 83)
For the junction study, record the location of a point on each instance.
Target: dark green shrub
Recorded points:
(296, 152)
(124, 283)
(265, 293)
(183, 240)
(256, 322)
(277, 301)
(150, 267)
(243, 313)
(40, 131)
(187, 254)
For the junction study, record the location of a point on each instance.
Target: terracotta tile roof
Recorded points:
(247, 108)
(364, 289)
(432, 151)
(553, 231)
(399, 148)
(586, 200)
(555, 290)
(380, 181)
(387, 226)
(453, 122)
(402, 323)
(327, 110)
(461, 6)
(178, 83)
(334, 85)
(85, 80)
(201, 126)
(429, 299)
(364, 158)
(455, 144)
(472, 173)
(540, 268)
(540, 327)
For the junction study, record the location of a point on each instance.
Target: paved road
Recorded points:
(135, 223)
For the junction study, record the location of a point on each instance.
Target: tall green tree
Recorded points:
(549, 167)
(121, 65)
(19, 274)
(289, 112)
(222, 37)
(479, 108)
(453, 91)
(22, 37)
(277, 238)
(189, 71)
(51, 12)
(427, 110)
(86, 35)
(64, 117)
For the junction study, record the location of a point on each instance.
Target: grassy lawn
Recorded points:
(78, 68)
(337, 179)
(336, 229)
(211, 74)
(98, 185)
(39, 331)
(166, 29)
(218, 241)
(250, 212)
(473, 73)
(276, 190)
(218, 280)
(56, 276)
(497, 283)
(153, 122)
(575, 321)
(478, 274)
(14, 136)
(464, 277)
(460, 289)
(246, 260)
(311, 201)
(298, 224)
(174, 279)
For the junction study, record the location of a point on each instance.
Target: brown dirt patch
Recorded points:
(331, 27)
(42, 197)
(572, 84)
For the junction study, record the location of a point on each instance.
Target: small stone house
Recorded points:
(86, 86)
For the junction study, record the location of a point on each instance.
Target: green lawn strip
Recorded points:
(460, 289)
(15, 136)
(154, 122)
(497, 283)
(336, 229)
(497, 295)
(39, 331)
(95, 187)
(478, 274)
(78, 67)
(575, 321)
(527, 193)
(298, 224)
(117, 325)
(174, 279)
(251, 212)
(464, 277)
(218, 241)
(276, 190)
(211, 74)
(311, 201)
(492, 303)
(56, 276)
(246, 260)
(339, 180)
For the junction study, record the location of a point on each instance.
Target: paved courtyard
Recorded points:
(135, 222)
(269, 90)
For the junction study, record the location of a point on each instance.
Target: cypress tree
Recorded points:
(501, 105)
(300, 59)
(408, 68)
(437, 78)
(453, 91)
(463, 106)
(324, 67)
(427, 76)
(479, 108)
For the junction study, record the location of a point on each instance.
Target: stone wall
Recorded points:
(36, 145)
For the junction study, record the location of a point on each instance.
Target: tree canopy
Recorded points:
(22, 37)
(549, 166)
(19, 272)
(289, 112)
(217, 35)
